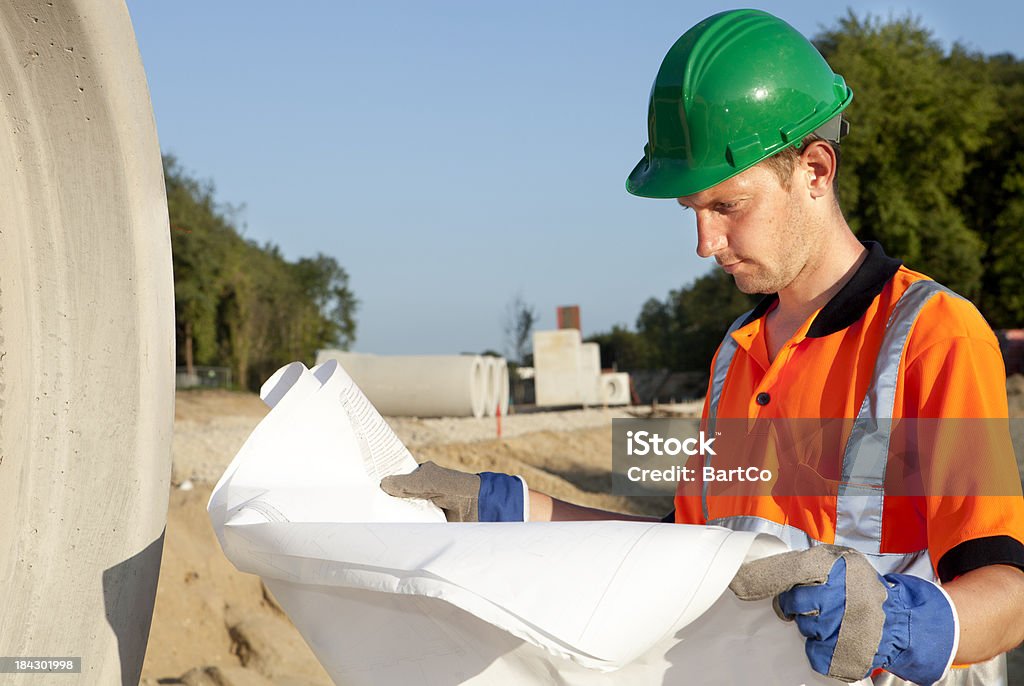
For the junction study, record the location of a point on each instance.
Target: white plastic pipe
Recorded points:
(86, 340)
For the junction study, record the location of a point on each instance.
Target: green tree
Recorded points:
(289, 313)
(200, 238)
(687, 327)
(243, 305)
(625, 350)
(917, 117)
(993, 196)
(331, 319)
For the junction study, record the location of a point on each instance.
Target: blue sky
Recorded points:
(453, 154)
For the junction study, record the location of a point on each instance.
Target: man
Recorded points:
(744, 123)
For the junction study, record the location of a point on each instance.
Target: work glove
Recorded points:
(854, 619)
(483, 497)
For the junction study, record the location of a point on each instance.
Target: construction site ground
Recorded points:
(215, 626)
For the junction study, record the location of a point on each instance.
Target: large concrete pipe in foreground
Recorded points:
(86, 340)
(418, 385)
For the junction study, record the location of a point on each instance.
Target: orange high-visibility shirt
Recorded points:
(951, 368)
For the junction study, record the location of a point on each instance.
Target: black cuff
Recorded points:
(981, 552)
(670, 518)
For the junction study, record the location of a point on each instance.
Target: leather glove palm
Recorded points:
(854, 619)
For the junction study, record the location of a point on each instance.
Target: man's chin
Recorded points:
(745, 284)
(750, 286)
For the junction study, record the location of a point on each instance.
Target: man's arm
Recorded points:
(544, 508)
(990, 605)
(964, 377)
(490, 497)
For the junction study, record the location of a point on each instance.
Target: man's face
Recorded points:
(755, 229)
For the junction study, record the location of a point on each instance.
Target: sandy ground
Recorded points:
(214, 626)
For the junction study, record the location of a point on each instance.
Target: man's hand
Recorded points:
(855, 620)
(483, 497)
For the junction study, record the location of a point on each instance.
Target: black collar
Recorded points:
(852, 300)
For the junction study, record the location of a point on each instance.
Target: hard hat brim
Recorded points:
(661, 178)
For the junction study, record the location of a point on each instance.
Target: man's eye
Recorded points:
(726, 206)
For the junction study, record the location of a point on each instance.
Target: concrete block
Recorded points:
(615, 389)
(590, 373)
(556, 363)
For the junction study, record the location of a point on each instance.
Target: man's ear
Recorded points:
(818, 166)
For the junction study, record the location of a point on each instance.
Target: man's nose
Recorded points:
(710, 237)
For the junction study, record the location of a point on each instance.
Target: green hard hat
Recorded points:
(737, 88)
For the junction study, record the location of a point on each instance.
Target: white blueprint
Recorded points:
(386, 592)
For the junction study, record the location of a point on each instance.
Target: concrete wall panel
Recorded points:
(590, 373)
(556, 361)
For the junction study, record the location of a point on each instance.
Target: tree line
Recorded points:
(242, 305)
(933, 169)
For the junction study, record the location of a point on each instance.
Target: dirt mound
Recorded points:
(207, 405)
(212, 623)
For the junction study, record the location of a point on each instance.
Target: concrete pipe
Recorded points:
(418, 385)
(503, 386)
(86, 339)
(491, 387)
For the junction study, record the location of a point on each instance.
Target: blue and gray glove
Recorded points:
(483, 497)
(854, 619)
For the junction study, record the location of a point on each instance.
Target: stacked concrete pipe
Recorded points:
(490, 385)
(498, 386)
(420, 385)
(86, 340)
(501, 385)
